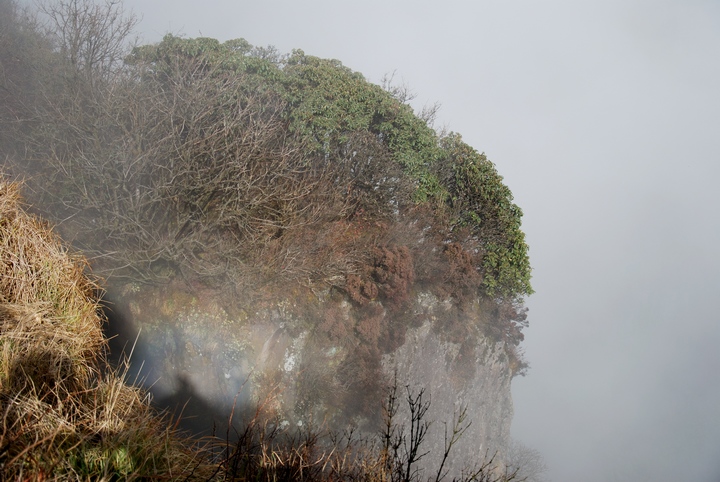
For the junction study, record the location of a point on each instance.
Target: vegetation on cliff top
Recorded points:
(191, 142)
(250, 171)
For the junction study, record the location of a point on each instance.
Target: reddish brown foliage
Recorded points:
(364, 374)
(334, 323)
(393, 337)
(462, 279)
(504, 320)
(455, 325)
(360, 290)
(394, 273)
(370, 326)
(389, 276)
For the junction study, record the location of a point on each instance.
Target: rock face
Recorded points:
(193, 348)
(426, 361)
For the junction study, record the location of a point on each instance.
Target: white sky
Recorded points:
(604, 118)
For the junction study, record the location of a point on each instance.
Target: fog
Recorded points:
(604, 119)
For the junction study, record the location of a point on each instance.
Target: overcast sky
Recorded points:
(604, 119)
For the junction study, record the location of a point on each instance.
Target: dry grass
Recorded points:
(63, 414)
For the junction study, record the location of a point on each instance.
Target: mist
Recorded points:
(603, 118)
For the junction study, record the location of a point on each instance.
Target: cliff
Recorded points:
(275, 230)
(212, 360)
(69, 415)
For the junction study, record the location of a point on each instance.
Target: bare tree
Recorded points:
(400, 91)
(179, 166)
(527, 462)
(401, 449)
(92, 36)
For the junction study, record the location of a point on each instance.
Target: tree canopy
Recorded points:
(327, 107)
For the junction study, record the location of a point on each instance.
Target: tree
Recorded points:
(402, 445)
(92, 37)
(188, 171)
(526, 461)
(25, 62)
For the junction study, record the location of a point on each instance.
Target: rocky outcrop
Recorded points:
(198, 354)
(478, 383)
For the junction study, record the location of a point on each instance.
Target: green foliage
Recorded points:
(481, 203)
(328, 105)
(329, 101)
